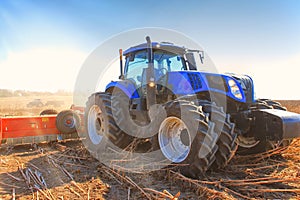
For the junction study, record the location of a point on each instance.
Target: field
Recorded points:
(17, 106)
(65, 170)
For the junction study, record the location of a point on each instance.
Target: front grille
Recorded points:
(195, 80)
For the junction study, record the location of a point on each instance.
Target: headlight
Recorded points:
(234, 89)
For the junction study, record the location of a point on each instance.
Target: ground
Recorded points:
(65, 170)
(17, 106)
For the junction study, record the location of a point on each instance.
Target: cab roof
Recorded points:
(156, 45)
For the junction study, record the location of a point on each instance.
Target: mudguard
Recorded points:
(126, 86)
(276, 124)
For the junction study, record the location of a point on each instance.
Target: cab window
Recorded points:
(163, 62)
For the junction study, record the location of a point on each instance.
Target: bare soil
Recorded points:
(65, 170)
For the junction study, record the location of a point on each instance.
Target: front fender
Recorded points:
(126, 86)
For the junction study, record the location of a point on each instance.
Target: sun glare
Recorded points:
(41, 69)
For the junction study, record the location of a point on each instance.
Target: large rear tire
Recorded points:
(227, 142)
(187, 137)
(100, 123)
(141, 131)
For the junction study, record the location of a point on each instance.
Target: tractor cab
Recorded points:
(166, 58)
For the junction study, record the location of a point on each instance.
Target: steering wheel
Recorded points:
(161, 71)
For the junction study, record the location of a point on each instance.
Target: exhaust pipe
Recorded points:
(150, 77)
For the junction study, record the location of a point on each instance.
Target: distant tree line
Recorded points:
(18, 93)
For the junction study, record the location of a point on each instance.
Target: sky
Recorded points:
(43, 44)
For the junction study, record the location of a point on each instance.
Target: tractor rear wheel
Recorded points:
(248, 145)
(140, 130)
(187, 137)
(227, 142)
(100, 123)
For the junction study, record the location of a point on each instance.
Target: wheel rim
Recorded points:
(247, 142)
(174, 139)
(69, 121)
(95, 127)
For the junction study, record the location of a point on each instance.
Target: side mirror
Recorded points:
(191, 60)
(201, 54)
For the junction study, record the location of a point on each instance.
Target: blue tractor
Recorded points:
(163, 101)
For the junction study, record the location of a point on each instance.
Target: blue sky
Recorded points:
(242, 36)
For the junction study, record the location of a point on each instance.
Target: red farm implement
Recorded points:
(35, 129)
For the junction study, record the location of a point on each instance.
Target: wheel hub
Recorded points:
(69, 122)
(184, 137)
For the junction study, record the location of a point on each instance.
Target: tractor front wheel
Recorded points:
(187, 137)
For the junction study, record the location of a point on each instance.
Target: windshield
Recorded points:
(163, 62)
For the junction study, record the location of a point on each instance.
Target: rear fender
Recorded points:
(126, 86)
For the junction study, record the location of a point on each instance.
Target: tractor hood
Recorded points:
(189, 82)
